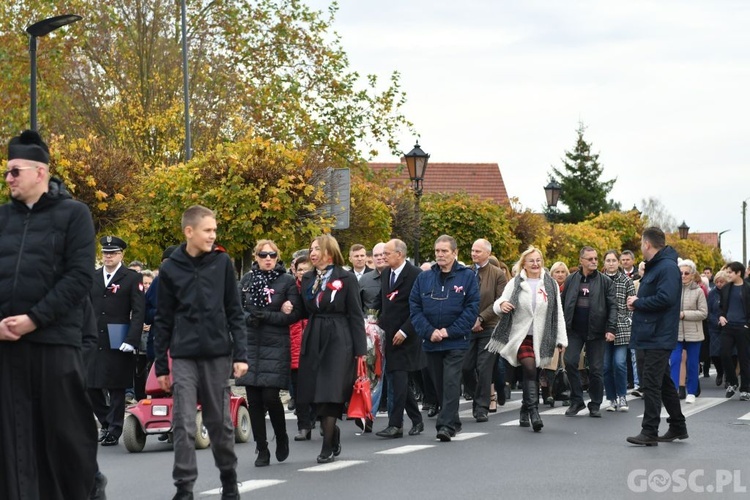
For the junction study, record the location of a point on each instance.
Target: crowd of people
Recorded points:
(75, 337)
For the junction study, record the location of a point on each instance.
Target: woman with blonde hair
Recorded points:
(332, 341)
(531, 326)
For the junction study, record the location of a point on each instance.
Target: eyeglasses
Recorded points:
(591, 259)
(264, 255)
(687, 274)
(16, 171)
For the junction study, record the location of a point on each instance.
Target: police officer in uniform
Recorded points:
(119, 306)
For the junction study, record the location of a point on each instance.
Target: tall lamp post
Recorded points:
(744, 231)
(186, 83)
(719, 236)
(43, 28)
(416, 163)
(683, 230)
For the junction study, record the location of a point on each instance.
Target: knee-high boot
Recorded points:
(531, 400)
(524, 419)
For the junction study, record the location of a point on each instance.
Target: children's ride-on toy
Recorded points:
(153, 415)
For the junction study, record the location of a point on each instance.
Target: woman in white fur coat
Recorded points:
(531, 327)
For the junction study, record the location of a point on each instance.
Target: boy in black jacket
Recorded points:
(199, 319)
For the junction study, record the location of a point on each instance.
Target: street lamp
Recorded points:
(552, 191)
(719, 237)
(416, 163)
(744, 231)
(43, 28)
(683, 229)
(186, 82)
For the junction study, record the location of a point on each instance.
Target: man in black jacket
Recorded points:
(735, 329)
(47, 434)
(590, 308)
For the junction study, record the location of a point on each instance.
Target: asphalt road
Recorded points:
(573, 457)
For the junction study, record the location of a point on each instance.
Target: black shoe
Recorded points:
(673, 434)
(416, 429)
(282, 447)
(682, 394)
(391, 432)
(100, 484)
(110, 440)
(643, 440)
(325, 458)
(595, 414)
(163, 437)
(444, 434)
(536, 420)
(264, 456)
(481, 416)
(303, 435)
(468, 397)
(433, 411)
(103, 433)
(523, 420)
(183, 495)
(291, 405)
(229, 489)
(427, 407)
(719, 380)
(637, 392)
(574, 409)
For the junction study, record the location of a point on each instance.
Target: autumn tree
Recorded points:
(583, 193)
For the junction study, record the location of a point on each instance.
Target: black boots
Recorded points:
(264, 455)
(531, 404)
(282, 447)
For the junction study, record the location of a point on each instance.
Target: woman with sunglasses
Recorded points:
(333, 339)
(271, 303)
(690, 334)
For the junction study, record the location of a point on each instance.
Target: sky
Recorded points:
(661, 87)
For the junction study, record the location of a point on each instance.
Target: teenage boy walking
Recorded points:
(199, 320)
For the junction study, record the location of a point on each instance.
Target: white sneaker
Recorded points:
(690, 399)
(731, 389)
(745, 396)
(612, 406)
(622, 403)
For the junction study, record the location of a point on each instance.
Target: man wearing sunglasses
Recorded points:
(590, 307)
(47, 434)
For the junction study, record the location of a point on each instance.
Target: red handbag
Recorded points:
(360, 405)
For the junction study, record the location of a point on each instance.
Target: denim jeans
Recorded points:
(615, 370)
(634, 360)
(692, 365)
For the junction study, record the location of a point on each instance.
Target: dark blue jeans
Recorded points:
(658, 388)
(595, 356)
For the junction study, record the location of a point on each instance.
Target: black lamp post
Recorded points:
(43, 28)
(683, 229)
(416, 162)
(552, 191)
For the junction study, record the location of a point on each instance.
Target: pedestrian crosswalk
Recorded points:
(250, 485)
(337, 465)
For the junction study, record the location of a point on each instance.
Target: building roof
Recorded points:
(710, 239)
(480, 179)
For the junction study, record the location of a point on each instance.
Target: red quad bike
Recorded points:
(154, 416)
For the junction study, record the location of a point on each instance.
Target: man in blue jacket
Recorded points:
(444, 303)
(656, 319)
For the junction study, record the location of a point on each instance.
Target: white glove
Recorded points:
(125, 347)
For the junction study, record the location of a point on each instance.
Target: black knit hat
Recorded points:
(28, 146)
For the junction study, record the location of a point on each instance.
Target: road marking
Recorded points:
(745, 417)
(340, 464)
(401, 450)
(463, 436)
(246, 486)
(697, 407)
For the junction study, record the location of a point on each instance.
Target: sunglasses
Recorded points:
(687, 274)
(264, 255)
(592, 259)
(16, 171)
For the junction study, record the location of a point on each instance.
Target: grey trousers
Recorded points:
(205, 381)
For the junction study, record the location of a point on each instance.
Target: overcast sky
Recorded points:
(662, 87)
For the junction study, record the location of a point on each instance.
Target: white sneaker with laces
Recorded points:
(690, 399)
(745, 396)
(612, 406)
(731, 389)
(622, 403)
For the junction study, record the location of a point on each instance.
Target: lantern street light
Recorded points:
(43, 28)
(683, 229)
(416, 163)
(552, 191)
(719, 236)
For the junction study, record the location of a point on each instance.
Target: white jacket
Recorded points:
(524, 318)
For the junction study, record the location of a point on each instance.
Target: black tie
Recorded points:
(393, 279)
(108, 277)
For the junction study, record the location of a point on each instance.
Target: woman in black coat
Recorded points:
(271, 303)
(333, 339)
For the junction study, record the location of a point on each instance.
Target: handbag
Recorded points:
(360, 404)
(561, 384)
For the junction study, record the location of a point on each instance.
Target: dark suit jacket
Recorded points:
(122, 302)
(394, 316)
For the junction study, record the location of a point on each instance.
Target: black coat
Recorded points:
(333, 337)
(394, 316)
(268, 344)
(603, 305)
(122, 302)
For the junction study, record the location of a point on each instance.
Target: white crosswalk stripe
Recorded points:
(245, 486)
(402, 450)
(745, 417)
(697, 407)
(463, 436)
(337, 465)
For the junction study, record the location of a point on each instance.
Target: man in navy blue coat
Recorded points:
(656, 318)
